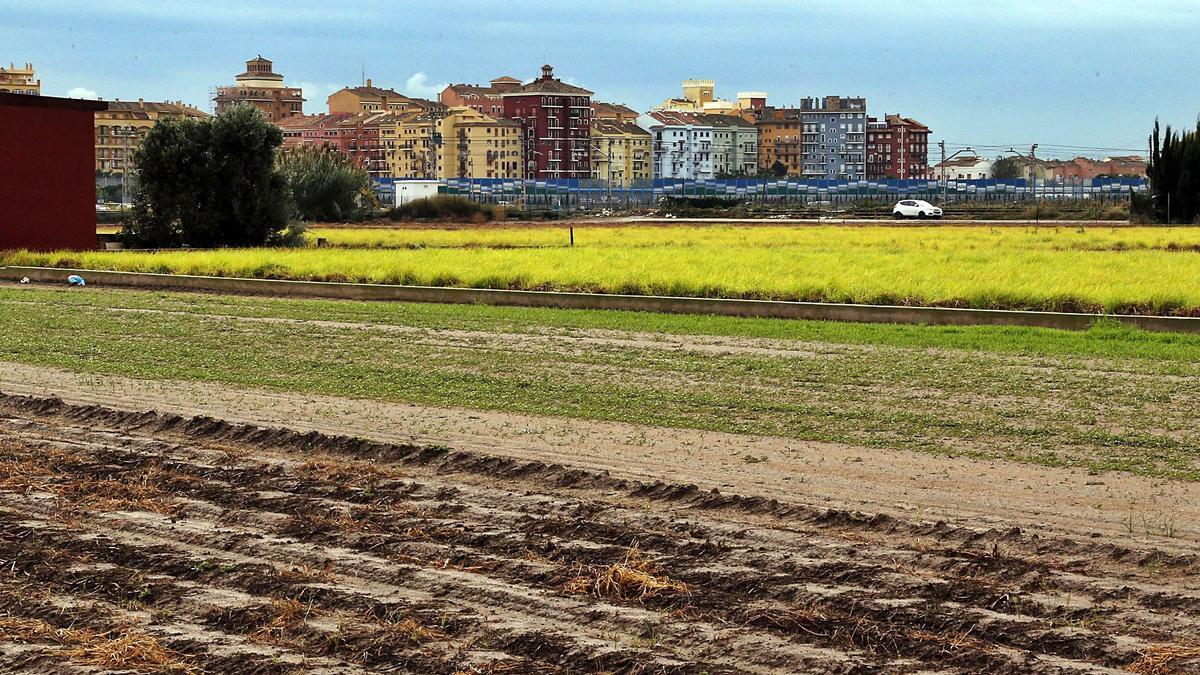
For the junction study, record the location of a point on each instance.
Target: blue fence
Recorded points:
(588, 194)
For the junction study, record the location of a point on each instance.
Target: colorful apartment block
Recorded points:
(731, 147)
(17, 80)
(122, 126)
(834, 141)
(780, 146)
(622, 152)
(458, 142)
(897, 147)
(682, 146)
(263, 88)
(555, 121)
(320, 130)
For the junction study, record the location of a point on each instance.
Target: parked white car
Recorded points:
(915, 208)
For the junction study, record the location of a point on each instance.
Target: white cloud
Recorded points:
(82, 92)
(315, 94)
(418, 85)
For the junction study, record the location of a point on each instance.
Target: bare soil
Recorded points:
(160, 542)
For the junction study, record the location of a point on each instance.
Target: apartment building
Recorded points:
(17, 80)
(121, 127)
(263, 88)
(369, 99)
(320, 130)
(683, 146)
(833, 140)
(555, 121)
(779, 140)
(897, 147)
(487, 100)
(621, 151)
(458, 142)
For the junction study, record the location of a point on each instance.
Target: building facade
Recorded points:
(555, 120)
(779, 141)
(732, 146)
(451, 143)
(897, 147)
(263, 88)
(834, 137)
(49, 188)
(320, 130)
(621, 152)
(371, 99)
(122, 126)
(488, 100)
(17, 80)
(683, 146)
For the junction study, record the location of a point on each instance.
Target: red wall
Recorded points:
(47, 173)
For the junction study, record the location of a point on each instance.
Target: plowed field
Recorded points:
(154, 542)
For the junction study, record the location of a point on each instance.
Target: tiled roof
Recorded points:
(375, 93)
(549, 86)
(614, 127)
(162, 107)
(682, 118)
(473, 89)
(600, 107)
(309, 121)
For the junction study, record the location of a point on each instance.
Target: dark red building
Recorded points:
(555, 119)
(897, 147)
(48, 164)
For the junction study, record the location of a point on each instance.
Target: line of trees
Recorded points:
(1174, 173)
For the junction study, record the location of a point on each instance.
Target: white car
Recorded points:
(915, 208)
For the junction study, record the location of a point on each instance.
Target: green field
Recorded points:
(1126, 270)
(1109, 398)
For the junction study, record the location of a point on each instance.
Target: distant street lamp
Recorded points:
(945, 159)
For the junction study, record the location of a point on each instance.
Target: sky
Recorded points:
(1076, 77)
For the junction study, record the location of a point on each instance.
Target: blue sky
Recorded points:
(1056, 72)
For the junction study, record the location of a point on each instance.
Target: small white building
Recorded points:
(963, 168)
(415, 188)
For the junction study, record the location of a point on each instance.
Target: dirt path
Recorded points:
(155, 542)
(916, 487)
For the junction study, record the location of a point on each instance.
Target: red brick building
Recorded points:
(48, 161)
(897, 147)
(555, 119)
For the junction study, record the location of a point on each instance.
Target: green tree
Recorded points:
(210, 183)
(1006, 168)
(325, 184)
(1174, 172)
(779, 169)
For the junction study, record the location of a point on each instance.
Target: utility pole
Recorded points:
(942, 145)
(1037, 215)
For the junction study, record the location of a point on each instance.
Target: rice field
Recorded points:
(1135, 270)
